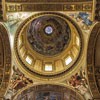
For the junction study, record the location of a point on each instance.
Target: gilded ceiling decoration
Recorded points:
(49, 35)
(49, 45)
(45, 5)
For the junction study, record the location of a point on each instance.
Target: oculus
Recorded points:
(48, 30)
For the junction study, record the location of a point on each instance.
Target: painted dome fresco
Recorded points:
(49, 35)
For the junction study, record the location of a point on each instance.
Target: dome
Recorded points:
(48, 45)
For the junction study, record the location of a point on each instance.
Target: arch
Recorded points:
(93, 63)
(5, 60)
(40, 91)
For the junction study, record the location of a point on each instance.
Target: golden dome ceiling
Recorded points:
(51, 55)
(48, 45)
